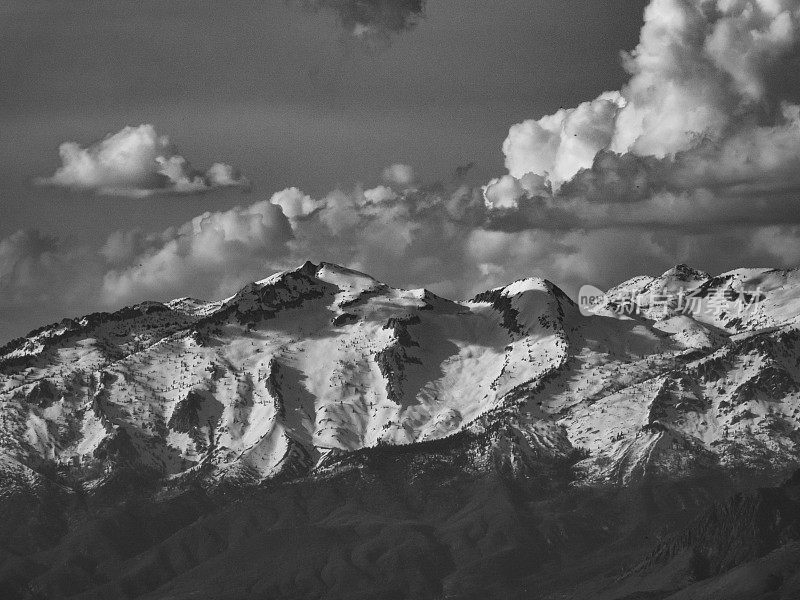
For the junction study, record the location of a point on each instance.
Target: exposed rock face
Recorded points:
(501, 304)
(42, 393)
(186, 415)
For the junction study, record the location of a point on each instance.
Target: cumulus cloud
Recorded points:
(294, 203)
(707, 125)
(209, 255)
(558, 146)
(136, 162)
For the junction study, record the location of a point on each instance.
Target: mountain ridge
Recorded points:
(359, 363)
(509, 430)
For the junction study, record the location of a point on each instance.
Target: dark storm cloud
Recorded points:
(373, 17)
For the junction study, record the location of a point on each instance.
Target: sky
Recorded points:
(152, 150)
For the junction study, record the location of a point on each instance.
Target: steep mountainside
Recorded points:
(673, 393)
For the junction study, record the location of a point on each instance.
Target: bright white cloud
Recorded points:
(379, 194)
(210, 255)
(399, 175)
(503, 192)
(294, 203)
(558, 146)
(136, 162)
(703, 73)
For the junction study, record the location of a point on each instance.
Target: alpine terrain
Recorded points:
(322, 435)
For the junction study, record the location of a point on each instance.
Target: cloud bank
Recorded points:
(136, 162)
(213, 253)
(441, 237)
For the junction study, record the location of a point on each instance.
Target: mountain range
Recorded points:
(321, 434)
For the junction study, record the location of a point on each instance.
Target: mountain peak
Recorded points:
(684, 272)
(528, 284)
(332, 269)
(307, 268)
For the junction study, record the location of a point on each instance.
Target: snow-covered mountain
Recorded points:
(296, 372)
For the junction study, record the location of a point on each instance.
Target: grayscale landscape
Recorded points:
(400, 300)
